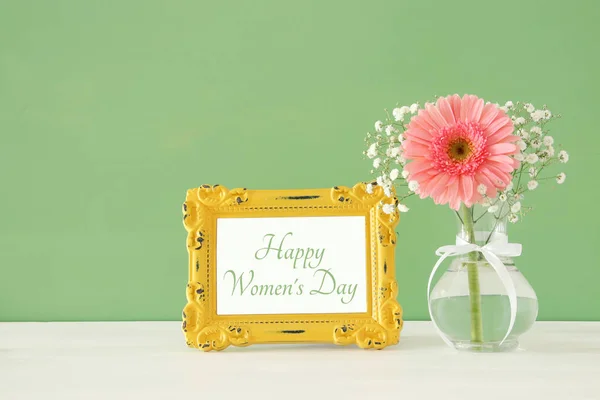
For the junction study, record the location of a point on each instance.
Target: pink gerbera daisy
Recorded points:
(456, 145)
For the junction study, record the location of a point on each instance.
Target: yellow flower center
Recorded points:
(459, 149)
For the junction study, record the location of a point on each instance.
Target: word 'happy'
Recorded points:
(307, 255)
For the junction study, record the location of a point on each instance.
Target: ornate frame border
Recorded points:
(377, 328)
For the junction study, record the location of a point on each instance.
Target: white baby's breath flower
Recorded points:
(560, 178)
(492, 209)
(536, 130)
(372, 151)
(380, 180)
(537, 115)
(395, 151)
(398, 114)
(519, 121)
(376, 162)
(547, 114)
(400, 160)
(369, 188)
(529, 107)
(400, 138)
(392, 139)
(388, 208)
(563, 157)
(509, 104)
(379, 126)
(522, 145)
(413, 186)
(485, 202)
(532, 172)
(503, 108)
(532, 185)
(550, 151)
(502, 197)
(413, 108)
(532, 158)
(548, 141)
(523, 133)
(515, 208)
(389, 151)
(519, 157)
(387, 190)
(404, 173)
(389, 130)
(513, 218)
(482, 189)
(536, 144)
(403, 208)
(509, 187)
(394, 174)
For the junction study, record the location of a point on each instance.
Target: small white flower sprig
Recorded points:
(538, 152)
(384, 147)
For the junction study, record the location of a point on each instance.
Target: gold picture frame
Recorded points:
(377, 328)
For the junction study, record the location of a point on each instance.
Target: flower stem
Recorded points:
(473, 276)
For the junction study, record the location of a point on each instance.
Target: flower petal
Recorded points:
(417, 166)
(496, 180)
(491, 188)
(476, 109)
(417, 132)
(453, 186)
(432, 118)
(414, 149)
(488, 115)
(436, 115)
(502, 166)
(420, 122)
(456, 104)
(509, 139)
(465, 107)
(504, 177)
(446, 110)
(498, 123)
(455, 203)
(440, 187)
(428, 186)
(503, 159)
(444, 197)
(467, 184)
(501, 134)
(502, 148)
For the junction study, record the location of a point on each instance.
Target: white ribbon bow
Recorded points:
(498, 247)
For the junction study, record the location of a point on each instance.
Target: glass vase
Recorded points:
(469, 303)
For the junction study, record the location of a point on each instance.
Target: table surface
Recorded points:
(149, 360)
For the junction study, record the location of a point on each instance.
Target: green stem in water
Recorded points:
(473, 276)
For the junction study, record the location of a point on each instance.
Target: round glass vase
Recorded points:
(469, 303)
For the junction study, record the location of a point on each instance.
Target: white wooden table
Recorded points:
(149, 360)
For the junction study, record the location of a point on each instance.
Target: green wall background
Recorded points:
(110, 110)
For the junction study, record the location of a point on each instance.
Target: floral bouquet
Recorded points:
(481, 159)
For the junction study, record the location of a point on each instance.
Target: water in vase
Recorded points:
(452, 315)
